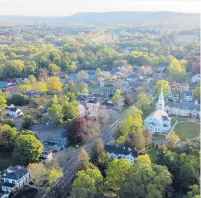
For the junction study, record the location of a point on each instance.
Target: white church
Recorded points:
(158, 121)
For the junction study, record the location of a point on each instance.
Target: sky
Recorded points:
(69, 7)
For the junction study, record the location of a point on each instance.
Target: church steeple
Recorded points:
(161, 100)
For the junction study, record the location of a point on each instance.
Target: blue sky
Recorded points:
(68, 7)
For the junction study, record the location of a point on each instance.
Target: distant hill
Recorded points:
(109, 18)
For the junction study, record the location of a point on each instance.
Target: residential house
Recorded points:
(161, 68)
(108, 91)
(14, 177)
(55, 142)
(158, 120)
(90, 108)
(46, 155)
(195, 78)
(183, 86)
(32, 93)
(188, 96)
(14, 112)
(121, 152)
(183, 109)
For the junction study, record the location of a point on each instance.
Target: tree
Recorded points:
(165, 85)
(53, 68)
(54, 175)
(7, 136)
(117, 95)
(82, 75)
(55, 114)
(145, 179)
(83, 158)
(38, 173)
(116, 173)
(3, 100)
(194, 192)
(148, 138)
(85, 90)
(54, 84)
(143, 100)
(98, 72)
(172, 140)
(70, 110)
(197, 93)
(31, 79)
(87, 183)
(27, 149)
(28, 122)
(18, 99)
(128, 99)
(40, 87)
(97, 149)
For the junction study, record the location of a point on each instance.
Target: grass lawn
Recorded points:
(147, 111)
(6, 160)
(173, 120)
(152, 153)
(187, 130)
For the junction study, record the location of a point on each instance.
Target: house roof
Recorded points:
(3, 84)
(120, 150)
(14, 172)
(184, 105)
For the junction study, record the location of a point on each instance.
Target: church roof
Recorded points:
(158, 114)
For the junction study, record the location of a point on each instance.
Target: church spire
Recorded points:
(161, 100)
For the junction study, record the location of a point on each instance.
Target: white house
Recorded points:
(158, 120)
(14, 112)
(90, 109)
(195, 78)
(184, 109)
(14, 177)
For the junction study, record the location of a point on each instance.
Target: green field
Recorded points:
(148, 111)
(173, 120)
(187, 130)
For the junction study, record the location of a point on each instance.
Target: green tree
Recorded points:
(87, 183)
(27, 149)
(194, 192)
(7, 136)
(53, 68)
(38, 173)
(55, 114)
(116, 173)
(172, 140)
(28, 122)
(143, 100)
(145, 179)
(54, 84)
(97, 148)
(117, 95)
(165, 85)
(40, 87)
(3, 100)
(54, 175)
(197, 93)
(98, 72)
(83, 158)
(71, 110)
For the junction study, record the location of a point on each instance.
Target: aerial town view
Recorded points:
(99, 99)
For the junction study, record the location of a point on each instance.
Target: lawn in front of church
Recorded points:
(187, 130)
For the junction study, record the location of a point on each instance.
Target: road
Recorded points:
(71, 170)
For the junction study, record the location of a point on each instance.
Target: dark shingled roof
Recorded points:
(14, 172)
(184, 105)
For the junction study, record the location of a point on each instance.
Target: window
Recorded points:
(13, 182)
